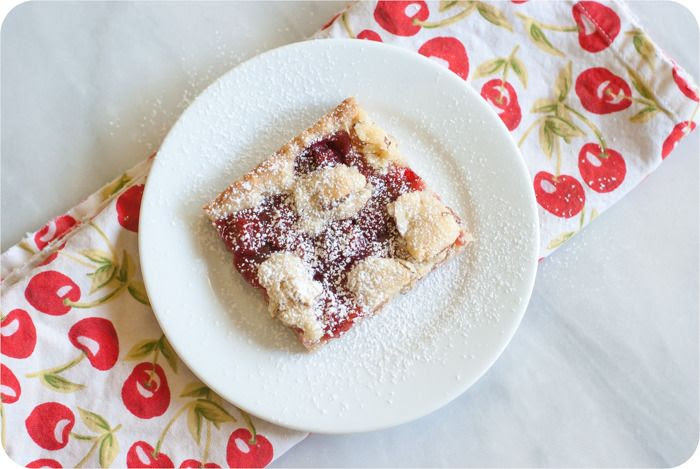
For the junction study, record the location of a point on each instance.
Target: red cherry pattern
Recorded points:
(10, 390)
(602, 92)
(598, 25)
(51, 257)
(53, 230)
(45, 462)
(140, 454)
(129, 207)
(325, 26)
(241, 452)
(194, 463)
(50, 424)
(369, 35)
(561, 195)
(145, 392)
(47, 290)
(397, 17)
(503, 98)
(18, 334)
(679, 131)
(602, 173)
(97, 339)
(683, 85)
(449, 49)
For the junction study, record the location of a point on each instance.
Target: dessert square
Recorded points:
(334, 225)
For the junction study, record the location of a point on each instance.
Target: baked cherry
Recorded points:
(44, 462)
(52, 230)
(683, 85)
(400, 180)
(679, 131)
(140, 454)
(49, 291)
(18, 334)
(243, 451)
(503, 98)
(601, 171)
(598, 25)
(369, 35)
(194, 463)
(451, 51)
(10, 389)
(341, 327)
(399, 17)
(129, 207)
(98, 340)
(50, 424)
(602, 92)
(145, 392)
(561, 195)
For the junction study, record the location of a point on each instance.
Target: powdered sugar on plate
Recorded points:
(428, 345)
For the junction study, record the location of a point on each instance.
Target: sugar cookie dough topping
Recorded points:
(427, 226)
(330, 193)
(377, 146)
(375, 280)
(292, 291)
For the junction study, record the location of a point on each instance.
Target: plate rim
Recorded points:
(438, 401)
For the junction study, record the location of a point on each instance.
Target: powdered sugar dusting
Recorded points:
(427, 344)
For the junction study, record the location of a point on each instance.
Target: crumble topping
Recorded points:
(330, 193)
(375, 280)
(292, 290)
(427, 226)
(377, 146)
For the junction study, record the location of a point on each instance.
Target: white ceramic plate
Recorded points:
(430, 344)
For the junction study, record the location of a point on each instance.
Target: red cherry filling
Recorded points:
(254, 234)
(400, 180)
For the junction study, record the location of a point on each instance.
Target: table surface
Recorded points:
(603, 370)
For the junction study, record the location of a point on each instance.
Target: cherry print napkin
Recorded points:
(87, 377)
(593, 103)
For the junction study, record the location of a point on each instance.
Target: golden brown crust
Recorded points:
(270, 172)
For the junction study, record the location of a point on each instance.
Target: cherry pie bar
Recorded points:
(334, 225)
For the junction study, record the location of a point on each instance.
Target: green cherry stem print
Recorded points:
(105, 440)
(643, 46)
(204, 409)
(504, 65)
(51, 378)
(597, 26)
(107, 273)
(564, 237)
(346, 25)
(97, 340)
(647, 98)
(499, 93)
(487, 11)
